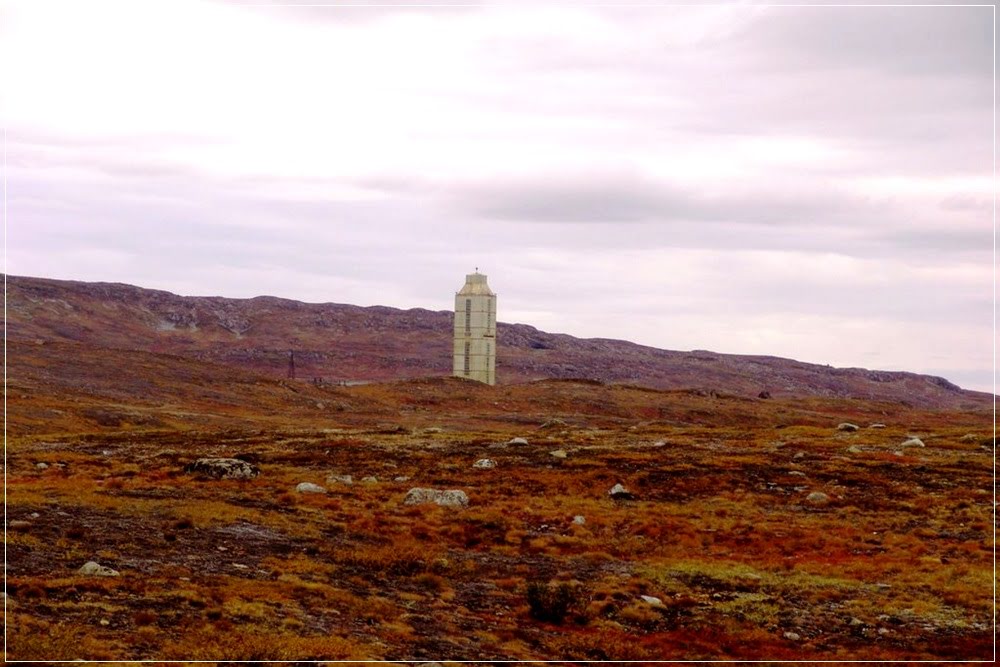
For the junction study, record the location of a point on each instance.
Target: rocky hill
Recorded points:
(339, 342)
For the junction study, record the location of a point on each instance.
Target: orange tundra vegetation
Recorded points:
(753, 529)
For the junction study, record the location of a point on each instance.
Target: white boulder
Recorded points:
(92, 569)
(308, 487)
(346, 480)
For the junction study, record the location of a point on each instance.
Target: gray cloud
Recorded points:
(613, 198)
(910, 41)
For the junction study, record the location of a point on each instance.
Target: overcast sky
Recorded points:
(806, 182)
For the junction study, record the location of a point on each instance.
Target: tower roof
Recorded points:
(475, 285)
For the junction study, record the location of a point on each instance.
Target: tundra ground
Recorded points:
(893, 561)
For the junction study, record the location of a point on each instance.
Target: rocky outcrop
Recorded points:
(222, 469)
(450, 498)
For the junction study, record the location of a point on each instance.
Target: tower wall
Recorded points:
(475, 331)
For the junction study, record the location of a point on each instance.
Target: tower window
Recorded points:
(467, 345)
(468, 318)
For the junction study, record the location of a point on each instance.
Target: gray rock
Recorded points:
(969, 437)
(799, 455)
(41, 465)
(401, 478)
(876, 425)
(450, 498)
(818, 498)
(308, 487)
(370, 479)
(618, 492)
(517, 441)
(792, 636)
(854, 449)
(485, 463)
(847, 426)
(558, 453)
(18, 524)
(913, 442)
(223, 468)
(346, 480)
(92, 569)
(796, 473)
(552, 423)
(579, 520)
(649, 599)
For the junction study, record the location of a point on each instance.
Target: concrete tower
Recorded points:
(475, 330)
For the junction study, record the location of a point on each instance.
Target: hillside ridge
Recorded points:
(343, 342)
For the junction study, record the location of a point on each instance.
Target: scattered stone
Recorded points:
(401, 478)
(92, 569)
(913, 442)
(558, 453)
(660, 443)
(451, 498)
(854, 449)
(792, 636)
(818, 498)
(552, 423)
(34, 515)
(346, 480)
(899, 452)
(370, 479)
(308, 487)
(649, 599)
(847, 426)
(856, 621)
(618, 492)
(579, 520)
(485, 463)
(105, 622)
(241, 566)
(517, 441)
(969, 437)
(799, 455)
(876, 425)
(223, 468)
(434, 429)
(41, 465)
(796, 473)
(18, 524)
